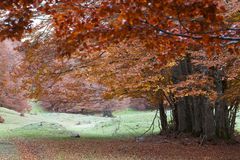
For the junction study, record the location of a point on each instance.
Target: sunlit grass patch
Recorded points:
(127, 123)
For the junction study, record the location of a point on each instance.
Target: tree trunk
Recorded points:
(221, 107)
(222, 120)
(184, 116)
(184, 105)
(163, 116)
(208, 123)
(196, 114)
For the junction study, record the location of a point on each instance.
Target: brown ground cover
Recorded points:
(153, 148)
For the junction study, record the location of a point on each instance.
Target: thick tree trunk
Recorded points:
(183, 105)
(221, 108)
(196, 114)
(184, 117)
(221, 113)
(208, 123)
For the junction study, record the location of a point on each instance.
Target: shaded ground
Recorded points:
(148, 149)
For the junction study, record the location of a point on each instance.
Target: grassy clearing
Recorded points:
(127, 123)
(41, 124)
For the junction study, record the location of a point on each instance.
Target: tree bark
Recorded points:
(184, 105)
(222, 120)
(221, 107)
(208, 122)
(197, 114)
(163, 116)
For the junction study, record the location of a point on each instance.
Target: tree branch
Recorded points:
(192, 36)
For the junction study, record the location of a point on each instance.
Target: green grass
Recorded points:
(127, 123)
(36, 107)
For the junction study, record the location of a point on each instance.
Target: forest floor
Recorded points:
(151, 148)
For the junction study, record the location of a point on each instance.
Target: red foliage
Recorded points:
(79, 40)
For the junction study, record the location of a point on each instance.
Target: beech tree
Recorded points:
(78, 34)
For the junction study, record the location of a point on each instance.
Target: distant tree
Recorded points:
(10, 96)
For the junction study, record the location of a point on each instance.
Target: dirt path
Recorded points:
(78, 149)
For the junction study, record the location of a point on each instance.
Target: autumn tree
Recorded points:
(63, 83)
(129, 70)
(83, 30)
